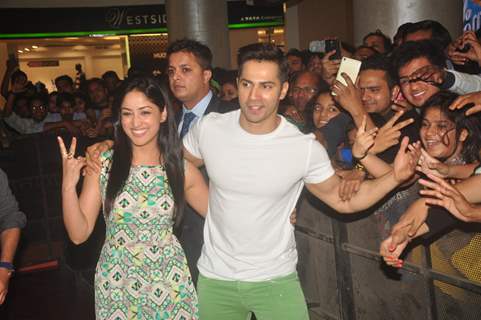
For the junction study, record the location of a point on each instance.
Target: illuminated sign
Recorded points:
(91, 21)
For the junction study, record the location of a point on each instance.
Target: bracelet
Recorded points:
(359, 158)
(359, 167)
(7, 265)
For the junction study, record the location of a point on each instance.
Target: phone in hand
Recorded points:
(333, 45)
(350, 67)
(317, 46)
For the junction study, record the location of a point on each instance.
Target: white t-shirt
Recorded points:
(255, 181)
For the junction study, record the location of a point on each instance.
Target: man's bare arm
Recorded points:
(369, 193)
(194, 160)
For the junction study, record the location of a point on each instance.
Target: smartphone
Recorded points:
(350, 67)
(317, 46)
(333, 44)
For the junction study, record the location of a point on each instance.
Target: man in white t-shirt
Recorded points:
(258, 164)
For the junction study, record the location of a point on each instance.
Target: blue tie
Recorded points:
(188, 117)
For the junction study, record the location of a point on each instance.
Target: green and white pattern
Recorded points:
(142, 272)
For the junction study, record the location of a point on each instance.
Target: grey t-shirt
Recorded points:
(10, 215)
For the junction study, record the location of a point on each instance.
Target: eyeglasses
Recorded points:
(40, 107)
(405, 81)
(306, 90)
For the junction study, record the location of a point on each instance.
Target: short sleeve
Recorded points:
(10, 214)
(318, 166)
(191, 140)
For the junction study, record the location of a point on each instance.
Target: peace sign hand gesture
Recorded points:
(390, 133)
(71, 166)
(364, 140)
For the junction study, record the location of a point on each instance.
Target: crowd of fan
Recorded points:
(422, 85)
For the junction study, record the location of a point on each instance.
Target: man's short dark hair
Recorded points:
(64, 78)
(199, 50)
(96, 80)
(382, 63)
(294, 52)
(438, 31)
(264, 52)
(386, 40)
(110, 74)
(18, 74)
(411, 50)
(321, 85)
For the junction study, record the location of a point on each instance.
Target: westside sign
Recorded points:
(91, 21)
(142, 17)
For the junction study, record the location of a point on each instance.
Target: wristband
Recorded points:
(359, 158)
(7, 265)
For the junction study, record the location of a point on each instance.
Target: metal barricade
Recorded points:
(343, 276)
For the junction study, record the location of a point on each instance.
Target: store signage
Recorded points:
(119, 20)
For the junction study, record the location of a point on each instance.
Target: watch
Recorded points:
(7, 265)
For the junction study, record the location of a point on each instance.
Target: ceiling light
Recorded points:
(19, 51)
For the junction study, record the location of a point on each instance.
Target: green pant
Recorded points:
(277, 299)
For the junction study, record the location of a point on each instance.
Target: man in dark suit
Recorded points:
(190, 72)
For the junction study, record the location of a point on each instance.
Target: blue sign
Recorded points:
(472, 15)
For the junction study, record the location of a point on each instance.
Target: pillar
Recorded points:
(201, 20)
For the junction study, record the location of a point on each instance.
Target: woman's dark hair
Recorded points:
(309, 110)
(472, 144)
(168, 142)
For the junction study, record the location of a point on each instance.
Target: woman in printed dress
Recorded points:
(142, 184)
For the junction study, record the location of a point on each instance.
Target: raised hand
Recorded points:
(349, 97)
(399, 101)
(473, 52)
(430, 74)
(390, 133)
(71, 166)
(454, 54)
(364, 140)
(93, 156)
(471, 100)
(329, 67)
(292, 112)
(430, 165)
(443, 194)
(406, 160)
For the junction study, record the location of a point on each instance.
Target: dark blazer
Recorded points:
(191, 230)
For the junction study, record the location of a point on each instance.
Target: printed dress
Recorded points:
(142, 272)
